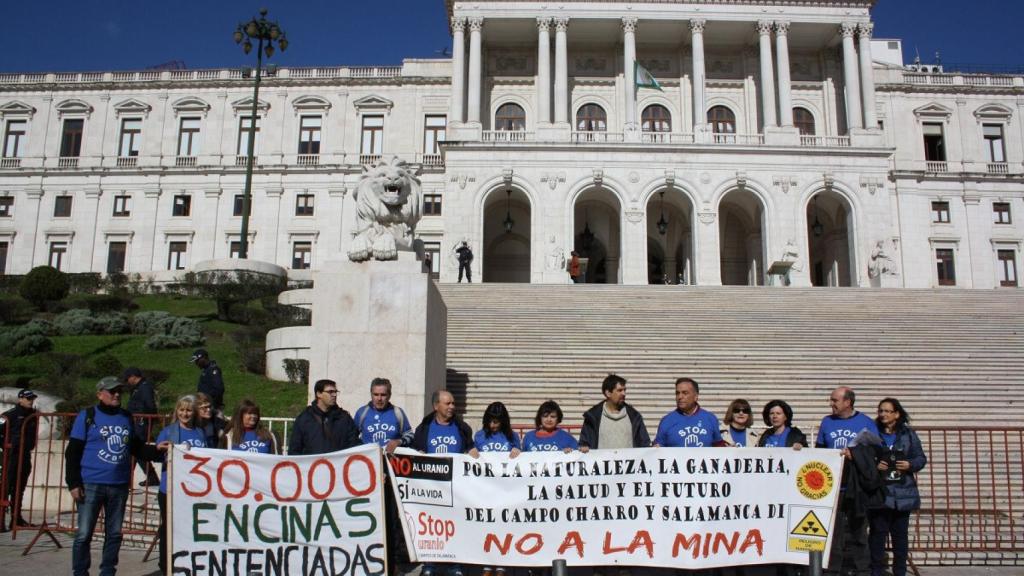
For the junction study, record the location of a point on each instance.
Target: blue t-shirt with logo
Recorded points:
(178, 434)
(739, 437)
(776, 440)
(380, 426)
(251, 442)
(837, 433)
(699, 430)
(444, 438)
(105, 458)
(889, 439)
(538, 441)
(496, 442)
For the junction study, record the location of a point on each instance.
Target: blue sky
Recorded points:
(78, 35)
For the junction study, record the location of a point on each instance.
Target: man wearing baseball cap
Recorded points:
(211, 382)
(142, 403)
(18, 434)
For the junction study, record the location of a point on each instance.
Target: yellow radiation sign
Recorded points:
(815, 480)
(809, 533)
(810, 525)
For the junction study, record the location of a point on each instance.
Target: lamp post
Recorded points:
(265, 33)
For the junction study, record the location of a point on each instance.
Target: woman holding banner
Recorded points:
(245, 433)
(183, 430)
(780, 433)
(736, 425)
(548, 437)
(496, 435)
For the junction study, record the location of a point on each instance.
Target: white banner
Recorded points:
(244, 513)
(658, 507)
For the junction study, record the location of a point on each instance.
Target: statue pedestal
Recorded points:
(383, 319)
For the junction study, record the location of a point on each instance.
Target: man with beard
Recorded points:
(613, 423)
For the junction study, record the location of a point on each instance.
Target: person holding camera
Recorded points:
(903, 457)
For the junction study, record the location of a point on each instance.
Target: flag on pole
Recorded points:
(644, 79)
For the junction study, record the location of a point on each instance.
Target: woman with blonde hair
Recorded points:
(183, 429)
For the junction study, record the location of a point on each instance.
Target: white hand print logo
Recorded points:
(115, 444)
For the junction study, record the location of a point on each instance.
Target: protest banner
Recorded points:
(244, 513)
(657, 507)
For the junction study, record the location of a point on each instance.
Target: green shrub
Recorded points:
(297, 370)
(229, 288)
(79, 322)
(98, 303)
(31, 344)
(102, 365)
(250, 342)
(85, 282)
(15, 310)
(157, 377)
(44, 284)
(61, 373)
(150, 322)
(25, 340)
(167, 331)
(10, 283)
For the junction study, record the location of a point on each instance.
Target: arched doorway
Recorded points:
(507, 236)
(597, 235)
(741, 239)
(670, 230)
(830, 240)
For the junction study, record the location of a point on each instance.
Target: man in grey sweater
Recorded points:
(613, 423)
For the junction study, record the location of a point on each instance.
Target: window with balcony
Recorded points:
(181, 205)
(804, 121)
(177, 255)
(940, 212)
(510, 117)
(1001, 213)
(372, 142)
(945, 267)
(239, 204)
(304, 204)
(58, 253)
(1007, 267)
(188, 137)
(934, 142)
(245, 131)
(309, 134)
(431, 204)
(656, 118)
(117, 253)
(433, 134)
(591, 118)
(131, 137)
(302, 255)
(995, 148)
(71, 138)
(722, 120)
(121, 205)
(62, 206)
(6, 206)
(14, 138)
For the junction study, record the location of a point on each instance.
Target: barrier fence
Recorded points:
(972, 491)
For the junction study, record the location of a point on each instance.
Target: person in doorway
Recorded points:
(465, 256)
(18, 434)
(574, 267)
(613, 423)
(736, 426)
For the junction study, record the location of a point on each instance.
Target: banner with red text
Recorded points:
(244, 513)
(659, 507)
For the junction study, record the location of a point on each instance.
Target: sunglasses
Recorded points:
(741, 411)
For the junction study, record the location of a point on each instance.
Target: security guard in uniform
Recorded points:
(211, 381)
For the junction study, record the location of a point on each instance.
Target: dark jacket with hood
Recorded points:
(319, 432)
(591, 432)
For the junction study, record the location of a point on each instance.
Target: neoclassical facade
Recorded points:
(777, 137)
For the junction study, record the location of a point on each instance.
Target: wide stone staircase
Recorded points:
(955, 359)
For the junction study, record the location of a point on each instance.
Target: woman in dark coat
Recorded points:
(781, 433)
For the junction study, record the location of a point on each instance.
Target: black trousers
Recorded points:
(17, 481)
(896, 525)
(849, 554)
(465, 266)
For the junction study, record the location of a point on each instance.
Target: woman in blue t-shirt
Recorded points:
(245, 434)
(548, 437)
(780, 433)
(496, 435)
(183, 430)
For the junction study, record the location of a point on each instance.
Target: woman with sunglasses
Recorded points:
(211, 424)
(735, 428)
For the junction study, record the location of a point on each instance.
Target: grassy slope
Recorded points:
(274, 398)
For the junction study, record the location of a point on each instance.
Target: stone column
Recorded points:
(475, 66)
(458, 70)
(561, 71)
(854, 120)
(93, 193)
(764, 33)
(785, 89)
(543, 71)
(867, 76)
(628, 72)
(697, 35)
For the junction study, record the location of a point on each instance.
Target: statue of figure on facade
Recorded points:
(881, 263)
(556, 256)
(792, 254)
(388, 200)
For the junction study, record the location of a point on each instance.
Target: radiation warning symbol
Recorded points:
(808, 533)
(810, 525)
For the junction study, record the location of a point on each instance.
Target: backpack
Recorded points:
(90, 417)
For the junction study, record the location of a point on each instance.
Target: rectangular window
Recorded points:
(940, 212)
(234, 249)
(177, 255)
(994, 145)
(945, 267)
(6, 206)
(432, 258)
(188, 137)
(182, 205)
(1007, 267)
(116, 256)
(304, 205)
(373, 135)
(1001, 213)
(309, 134)
(239, 202)
(3, 258)
(131, 137)
(57, 252)
(244, 130)
(934, 144)
(433, 134)
(121, 207)
(302, 255)
(71, 139)
(431, 204)
(14, 138)
(62, 206)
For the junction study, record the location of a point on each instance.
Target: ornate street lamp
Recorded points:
(586, 236)
(817, 228)
(266, 34)
(509, 222)
(662, 223)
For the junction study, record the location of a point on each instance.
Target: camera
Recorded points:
(894, 475)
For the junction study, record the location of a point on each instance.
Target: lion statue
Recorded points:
(388, 200)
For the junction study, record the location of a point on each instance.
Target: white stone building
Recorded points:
(781, 132)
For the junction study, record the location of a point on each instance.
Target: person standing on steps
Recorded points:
(465, 256)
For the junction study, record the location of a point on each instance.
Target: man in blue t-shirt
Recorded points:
(837, 432)
(689, 425)
(382, 422)
(98, 473)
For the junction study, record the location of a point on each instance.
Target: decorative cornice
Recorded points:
(476, 24)
(458, 24)
(543, 23)
(865, 30)
(629, 24)
(697, 25)
(561, 25)
(782, 28)
(848, 29)
(764, 27)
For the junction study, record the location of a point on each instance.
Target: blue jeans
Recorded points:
(111, 498)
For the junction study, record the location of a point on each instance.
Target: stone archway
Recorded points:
(830, 240)
(507, 249)
(741, 238)
(597, 235)
(673, 237)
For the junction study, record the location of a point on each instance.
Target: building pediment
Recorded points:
(74, 107)
(16, 108)
(311, 103)
(245, 105)
(190, 105)
(933, 111)
(993, 113)
(132, 106)
(372, 102)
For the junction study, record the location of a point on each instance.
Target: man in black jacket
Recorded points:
(18, 434)
(441, 432)
(323, 426)
(211, 380)
(142, 403)
(613, 423)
